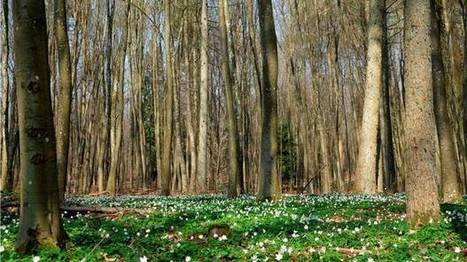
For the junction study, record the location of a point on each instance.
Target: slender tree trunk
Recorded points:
(420, 127)
(40, 220)
(168, 127)
(387, 148)
(155, 97)
(464, 17)
(4, 136)
(229, 96)
(64, 97)
(269, 180)
(367, 161)
(117, 109)
(450, 183)
(326, 172)
(203, 103)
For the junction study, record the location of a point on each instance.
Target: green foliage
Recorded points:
(214, 228)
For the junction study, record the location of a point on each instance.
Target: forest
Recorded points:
(233, 130)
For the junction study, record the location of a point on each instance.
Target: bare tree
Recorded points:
(420, 127)
(40, 221)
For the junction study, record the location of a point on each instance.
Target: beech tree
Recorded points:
(450, 183)
(203, 111)
(367, 161)
(63, 111)
(269, 177)
(40, 220)
(169, 97)
(420, 127)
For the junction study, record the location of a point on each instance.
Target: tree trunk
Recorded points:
(367, 161)
(269, 180)
(64, 97)
(203, 103)
(229, 96)
(420, 127)
(168, 128)
(4, 136)
(464, 17)
(450, 183)
(117, 105)
(387, 148)
(40, 220)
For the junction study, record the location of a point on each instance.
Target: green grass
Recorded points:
(297, 228)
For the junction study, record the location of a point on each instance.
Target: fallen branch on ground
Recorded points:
(12, 207)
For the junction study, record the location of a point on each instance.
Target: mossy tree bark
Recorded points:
(40, 221)
(367, 161)
(269, 178)
(420, 127)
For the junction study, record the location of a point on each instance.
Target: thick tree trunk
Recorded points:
(40, 221)
(64, 97)
(269, 178)
(367, 161)
(420, 127)
(203, 103)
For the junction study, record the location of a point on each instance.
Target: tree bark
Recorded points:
(450, 181)
(464, 18)
(64, 97)
(269, 177)
(203, 103)
(4, 136)
(367, 161)
(40, 220)
(420, 127)
(117, 111)
(229, 97)
(169, 96)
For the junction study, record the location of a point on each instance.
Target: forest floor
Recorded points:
(212, 228)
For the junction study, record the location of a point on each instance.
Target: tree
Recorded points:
(203, 103)
(420, 127)
(4, 183)
(169, 96)
(234, 171)
(450, 183)
(464, 18)
(63, 111)
(40, 221)
(368, 154)
(269, 177)
(117, 107)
